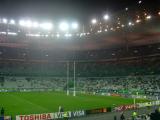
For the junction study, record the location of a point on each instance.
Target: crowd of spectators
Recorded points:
(144, 85)
(83, 69)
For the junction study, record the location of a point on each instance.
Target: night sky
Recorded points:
(67, 9)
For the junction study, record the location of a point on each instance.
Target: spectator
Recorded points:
(115, 117)
(134, 115)
(61, 109)
(2, 111)
(155, 115)
(122, 116)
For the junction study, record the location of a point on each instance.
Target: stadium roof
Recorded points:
(69, 9)
(89, 13)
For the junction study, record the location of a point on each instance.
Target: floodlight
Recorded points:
(12, 22)
(126, 8)
(99, 31)
(3, 33)
(117, 27)
(94, 21)
(159, 13)
(111, 29)
(122, 25)
(28, 23)
(68, 35)
(4, 20)
(35, 24)
(130, 23)
(64, 26)
(106, 17)
(74, 25)
(46, 35)
(138, 21)
(139, 2)
(57, 35)
(12, 33)
(46, 26)
(148, 17)
(22, 22)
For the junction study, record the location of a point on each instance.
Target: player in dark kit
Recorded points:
(2, 111)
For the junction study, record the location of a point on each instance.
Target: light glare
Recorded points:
(106, 17)
(140, 2)
(64, 26)
(46, 26)
(35, 24)
(57, 35)
(12, 22)
(130, 23)
(94, 21)
(74, 25)
(148, 17)
(4, 20)
(138, 21)
(28, 23)
(12, 33)
(68, 35)
(22, 22)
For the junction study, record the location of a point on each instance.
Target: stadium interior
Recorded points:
(117, 57)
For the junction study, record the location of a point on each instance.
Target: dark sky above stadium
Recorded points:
(66, 9)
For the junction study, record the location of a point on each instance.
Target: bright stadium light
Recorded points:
(106, 17)
(139, 2)
(46, 26)
(64, 26)
(12, 33)
(74, 25)
(21, 22)
(130, 23)
(94, 21)
(148, 17)
(35, 24)
(138, 21)
(122, 25)
(28, 23)
(57, 35)
(4, 20)
(12, 22)
(4, 33)
(68, 35)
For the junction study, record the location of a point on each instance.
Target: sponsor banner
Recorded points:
(5, 118)
(148, 104)
(79, 113)
(114, 94)
(53, 116)
(125, 107)
(43, 116)
(95, 111)
(69, 114)
(139, 96)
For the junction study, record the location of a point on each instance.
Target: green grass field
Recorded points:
(19, 103)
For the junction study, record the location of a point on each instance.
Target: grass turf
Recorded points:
(19, 103)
